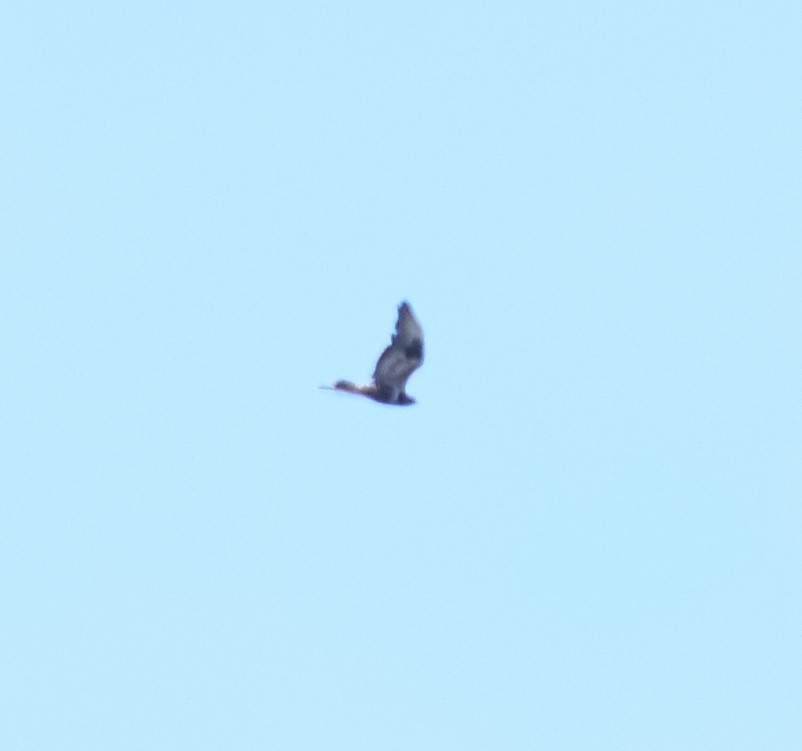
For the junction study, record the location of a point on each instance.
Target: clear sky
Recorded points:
(587, 532)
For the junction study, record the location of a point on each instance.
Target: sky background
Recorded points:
(587, 532)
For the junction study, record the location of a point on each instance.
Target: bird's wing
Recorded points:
(404, 354)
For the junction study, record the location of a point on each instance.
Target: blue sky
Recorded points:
(585, 535)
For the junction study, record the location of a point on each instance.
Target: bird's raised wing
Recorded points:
(404, 354)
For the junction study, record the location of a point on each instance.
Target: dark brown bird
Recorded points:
(396, 364)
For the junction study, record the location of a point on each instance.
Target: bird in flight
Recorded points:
(396, 364)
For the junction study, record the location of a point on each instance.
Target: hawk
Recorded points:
(396, 364)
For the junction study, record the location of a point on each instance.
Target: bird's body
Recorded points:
(396, 364)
